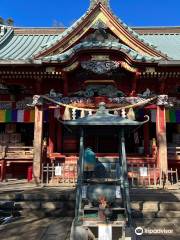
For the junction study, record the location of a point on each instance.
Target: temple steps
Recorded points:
(145, 203)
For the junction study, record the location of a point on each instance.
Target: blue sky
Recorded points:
(133, 12)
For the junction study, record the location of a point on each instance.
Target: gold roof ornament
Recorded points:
(104, 2)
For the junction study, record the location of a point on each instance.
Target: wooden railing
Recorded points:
(150, 175)
(173, 153)
(146, 175)
(65, 176)
(16, 152)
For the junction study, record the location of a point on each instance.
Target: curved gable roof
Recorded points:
(99, 12)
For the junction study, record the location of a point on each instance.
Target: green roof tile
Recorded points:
(22, 47)
(166, 43)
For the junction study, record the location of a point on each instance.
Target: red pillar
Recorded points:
(38, 140)
(162, 161)
(59, 137)
(52, 125)
(3, 170)
(146, 137)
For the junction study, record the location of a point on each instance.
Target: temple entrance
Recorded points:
(138, 141)
(102, 141)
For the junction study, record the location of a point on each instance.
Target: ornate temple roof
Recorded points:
(105, 2)
(99, 45)
(13, 43)
(141, 44)
(100, 12)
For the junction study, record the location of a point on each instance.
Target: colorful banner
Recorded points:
(28, 116)
(21, 116)
(172, 116)
(153, 115)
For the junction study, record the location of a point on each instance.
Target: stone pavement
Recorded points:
(171, 224)
(37, 229)
(59, 229)
(17, 185)
(160, 209)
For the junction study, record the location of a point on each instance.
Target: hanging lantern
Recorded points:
(67, 115)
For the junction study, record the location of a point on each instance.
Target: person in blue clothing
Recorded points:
(93, 167)
(89, 162)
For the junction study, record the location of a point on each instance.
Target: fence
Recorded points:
(150, 175)
(140, 175)
(64, 174)
(16, 152)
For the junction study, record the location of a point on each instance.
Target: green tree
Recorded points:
(10, 21)
(1, 20)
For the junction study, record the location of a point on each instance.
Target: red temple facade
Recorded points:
(67, 72)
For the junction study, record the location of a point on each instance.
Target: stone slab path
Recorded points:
(37, 229)
(160, 223)
(59, 229)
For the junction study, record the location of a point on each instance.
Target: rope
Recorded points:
(94, 110)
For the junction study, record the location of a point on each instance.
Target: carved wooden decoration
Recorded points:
(104, 2)
(100, 67)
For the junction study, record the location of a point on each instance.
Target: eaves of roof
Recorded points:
(20, 62)
(134, 55)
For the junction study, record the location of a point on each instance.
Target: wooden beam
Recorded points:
(162, 161)
(59, 136)
(3, 170)
(38, 139)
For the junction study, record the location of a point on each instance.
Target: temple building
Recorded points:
(50, 75)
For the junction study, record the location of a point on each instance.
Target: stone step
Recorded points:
(37, 205)
(155, 206)
(137, 205)
(159, 214)
(51, 194)
(147, 203)
(59, 193)
(41, 213)
(38, 196)
(71, 196)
